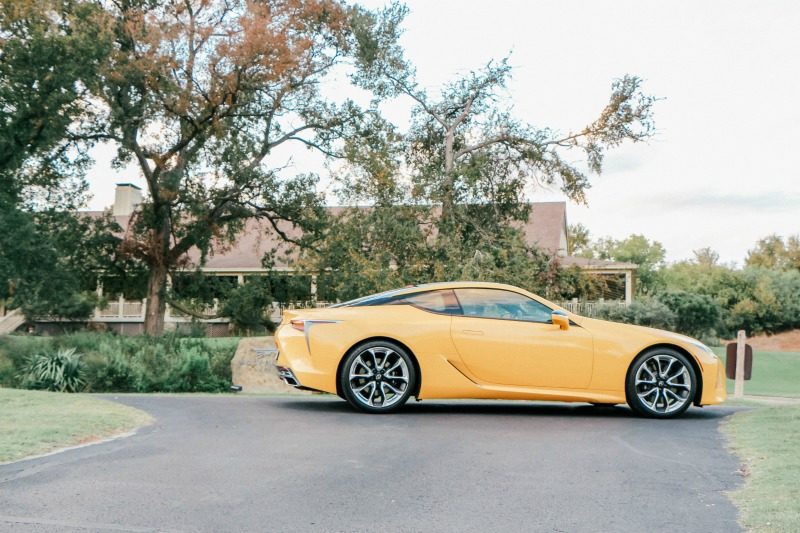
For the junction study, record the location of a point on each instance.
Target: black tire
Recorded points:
(381, 391)
(661, 383)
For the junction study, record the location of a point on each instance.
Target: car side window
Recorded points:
(437, 301)
(498, 303)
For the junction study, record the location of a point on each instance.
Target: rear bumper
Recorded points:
(287, 376)
(300, 368)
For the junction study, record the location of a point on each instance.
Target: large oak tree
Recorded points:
(198, 94)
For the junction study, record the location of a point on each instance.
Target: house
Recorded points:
(546, 228)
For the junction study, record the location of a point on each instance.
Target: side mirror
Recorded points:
(560, 319)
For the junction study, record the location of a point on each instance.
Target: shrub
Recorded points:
(646, 312)
(695, 314)
(112, 373)
(192, 373)
(754, 299)
(126, 364)
(15, 351)
(61, 370)
(248, 306)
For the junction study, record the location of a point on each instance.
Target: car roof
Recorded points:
(440, 285)
(461, 285)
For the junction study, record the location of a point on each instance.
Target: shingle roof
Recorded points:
(595, 264)
(546, 227)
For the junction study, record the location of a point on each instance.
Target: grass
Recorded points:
(765, 439)
(36, 422)
(774, 374)
(221, 342)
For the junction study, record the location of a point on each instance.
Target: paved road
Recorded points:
(311, 464)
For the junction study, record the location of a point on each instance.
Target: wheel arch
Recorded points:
(417, 371)
(683, 351)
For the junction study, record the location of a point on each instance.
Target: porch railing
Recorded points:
(589, 308)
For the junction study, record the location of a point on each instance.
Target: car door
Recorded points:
(507, 338)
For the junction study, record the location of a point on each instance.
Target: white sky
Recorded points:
(722, 170)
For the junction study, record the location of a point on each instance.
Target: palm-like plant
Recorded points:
(57, 371)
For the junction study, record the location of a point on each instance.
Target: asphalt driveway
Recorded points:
(287, 463)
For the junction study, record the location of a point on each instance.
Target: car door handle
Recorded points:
(472, 332)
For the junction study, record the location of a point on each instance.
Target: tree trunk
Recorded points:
(448, 187)
(156, 301)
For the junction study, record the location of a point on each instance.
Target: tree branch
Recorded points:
(488, 142)
(191, 312)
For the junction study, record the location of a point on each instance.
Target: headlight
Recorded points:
(705, 349)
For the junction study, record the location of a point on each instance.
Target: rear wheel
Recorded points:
(377, 377)
(661, 383)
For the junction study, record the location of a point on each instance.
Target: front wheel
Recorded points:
(661, 383)
(377, 377)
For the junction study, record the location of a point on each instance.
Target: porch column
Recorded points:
(313, 288)
(628, 286)
(99, 291)
(167, 308)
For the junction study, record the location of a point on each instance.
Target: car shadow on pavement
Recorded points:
(331, 404)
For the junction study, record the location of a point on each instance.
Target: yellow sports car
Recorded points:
(488, 340)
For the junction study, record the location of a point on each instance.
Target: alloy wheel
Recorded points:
(663, 384)
(379, 377)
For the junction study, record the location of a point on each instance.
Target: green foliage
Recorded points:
(697, 315)
(370, 250)
(578, 240)
(249, 306)
(52, 51)
(754, 299)
(645, 312)
(706, 256)
(647, 255)
(36, 244)
(774, 252)
(122, 364)
(61, 370)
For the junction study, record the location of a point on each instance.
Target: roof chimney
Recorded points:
(126, 198)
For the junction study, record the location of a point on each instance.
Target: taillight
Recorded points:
(298, 324)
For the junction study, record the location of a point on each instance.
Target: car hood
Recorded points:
(597, 326)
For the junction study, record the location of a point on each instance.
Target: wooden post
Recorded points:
(738, 390)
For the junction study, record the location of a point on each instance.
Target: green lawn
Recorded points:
(36, 422)
(774, 374)
(766, 439)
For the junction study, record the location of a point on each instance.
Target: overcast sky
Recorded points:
(722, 170)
